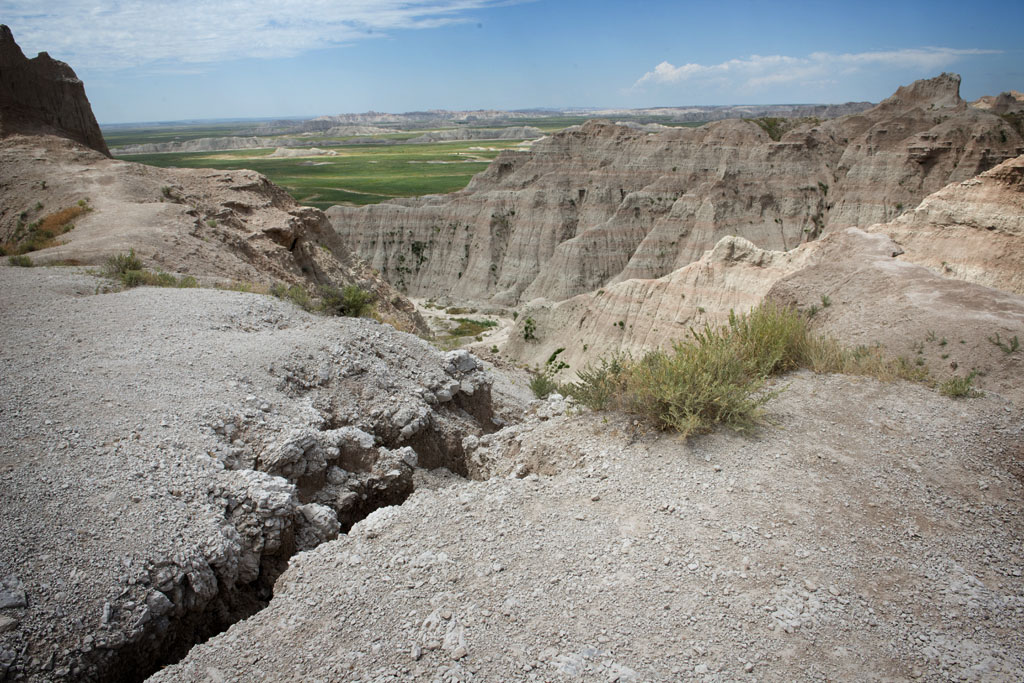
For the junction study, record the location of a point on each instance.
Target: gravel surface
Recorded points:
(166, 451)
(872, 532)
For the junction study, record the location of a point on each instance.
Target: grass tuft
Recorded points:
(350, 301)
(960, 387)
(718, 375)
(20, 260)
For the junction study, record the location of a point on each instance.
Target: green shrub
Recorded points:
(597, 387)
(960, 387)
(718, 375)
(297, 294)
(529, 330)
(132, 278)
(21, 261)
(697, 385)
(351, 301)
(188, 282)
(543, 385)
(119, 264)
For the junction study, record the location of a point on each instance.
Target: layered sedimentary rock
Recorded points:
(43, 96)
(511, 133)
(601, 203)
(862, 289)
(637, 315)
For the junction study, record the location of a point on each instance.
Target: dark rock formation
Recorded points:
(43, 96)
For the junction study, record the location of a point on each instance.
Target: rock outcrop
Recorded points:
(638, 315)
(599, 204)
(215, 225)
(43, 96)
(877, 290)
(865, 535)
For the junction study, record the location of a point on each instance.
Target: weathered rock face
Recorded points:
(637, 315)
(875, 295)
(602, 203)
(973, 230)
(43, 96)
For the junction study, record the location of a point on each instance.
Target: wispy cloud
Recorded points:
(132, 33)
(758, 71)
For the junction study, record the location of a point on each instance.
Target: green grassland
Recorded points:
(360, 174)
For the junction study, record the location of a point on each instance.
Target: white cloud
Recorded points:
(757, 71)
(131, 33)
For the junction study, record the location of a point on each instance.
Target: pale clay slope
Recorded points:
(973, 230)
(967, 231)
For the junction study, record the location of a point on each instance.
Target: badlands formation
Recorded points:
(205, 485)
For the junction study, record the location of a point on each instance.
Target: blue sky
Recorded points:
(195, 59)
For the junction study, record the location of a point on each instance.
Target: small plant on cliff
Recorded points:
(21, 261)
(529, 330)
(544, 383)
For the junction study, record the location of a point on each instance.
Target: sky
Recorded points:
(143, 60)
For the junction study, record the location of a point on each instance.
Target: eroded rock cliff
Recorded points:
(43, 95)
(602, 203)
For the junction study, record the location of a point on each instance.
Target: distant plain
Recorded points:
(372, 170)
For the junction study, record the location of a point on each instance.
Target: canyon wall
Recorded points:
(601, 203)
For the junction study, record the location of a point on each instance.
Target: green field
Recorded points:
(360, 174)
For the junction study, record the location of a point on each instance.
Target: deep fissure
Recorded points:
(353, 486)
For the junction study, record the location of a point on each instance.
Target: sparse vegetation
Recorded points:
(120, 264)
(128, 270)
(960, 387)
(43, 233)
(718, 375)
(470, 328)
(349, 301)
(544, 383)
(20, 260)
(1009, 346)
(529, 330)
